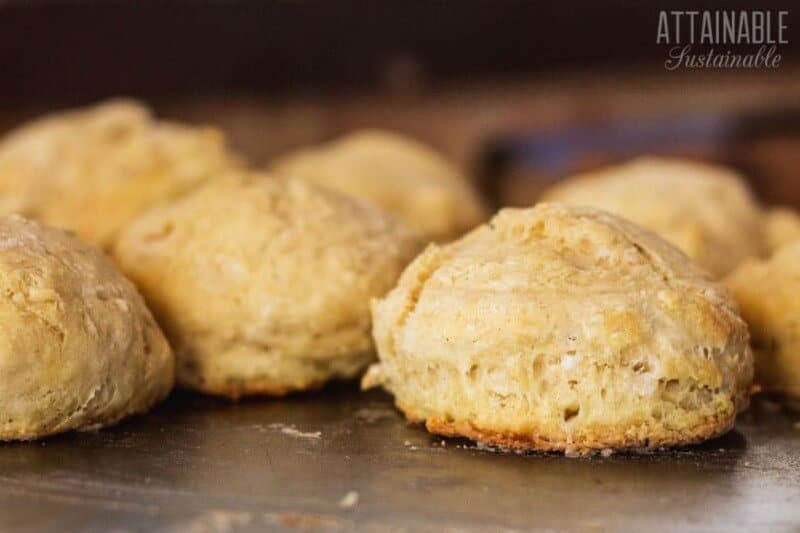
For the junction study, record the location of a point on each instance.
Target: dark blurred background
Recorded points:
(519, 93)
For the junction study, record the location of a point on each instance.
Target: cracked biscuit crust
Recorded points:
(706, 211)
(263, 285)
(398, 174)
(562, 328)
(92, 170)
(78, 347)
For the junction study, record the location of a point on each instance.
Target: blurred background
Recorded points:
(518, 93)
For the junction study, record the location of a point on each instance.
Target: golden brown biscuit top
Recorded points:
(36, 260)
(78, 347)
(264, 261)
(399, 174)
(569, 249)
(565, 280)
(706, 211)
(91, 170)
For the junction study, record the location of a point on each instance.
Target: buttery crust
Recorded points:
(562, 328)
(706, 211)
(94, 169)
(263, 285)
(400, 175)
(768, 292)
(78, 348)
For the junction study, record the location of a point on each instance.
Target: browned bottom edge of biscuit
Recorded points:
(532, 442)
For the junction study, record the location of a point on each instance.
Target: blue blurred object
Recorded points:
(557, 151)
(515, 167)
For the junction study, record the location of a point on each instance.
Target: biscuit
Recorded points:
(404, 177)
(706, 211)
(768, 292)
(560, 328)
(78, 348)
(92, 170)
(263, 285)
(781, 227)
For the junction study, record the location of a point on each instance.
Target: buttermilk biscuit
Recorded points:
(78, 347)
(781, 227)
(768, 293)
(562, 328)
(263, 285)
(405, 178)
(706, 211)
(92, 170)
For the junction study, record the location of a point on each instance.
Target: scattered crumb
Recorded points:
(721, 449)
(747, 463)
(294, 432)
(607, 452)
(489, 448)
(443, 444)
(406, 442)
(349, 501)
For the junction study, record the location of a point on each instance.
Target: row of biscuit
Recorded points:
(552, 328)
(261, 282)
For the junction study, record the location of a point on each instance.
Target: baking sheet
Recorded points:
(202, 464)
